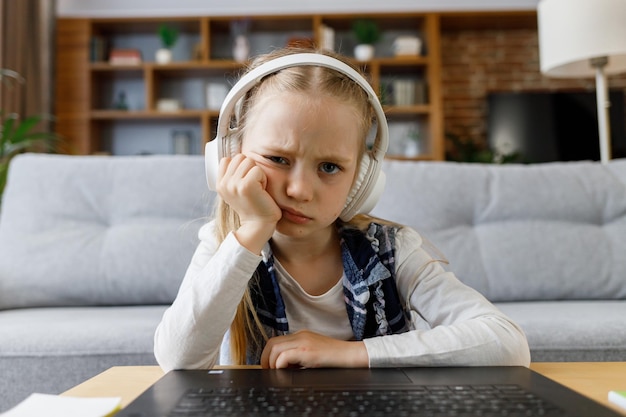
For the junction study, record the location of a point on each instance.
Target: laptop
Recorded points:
(388, 392)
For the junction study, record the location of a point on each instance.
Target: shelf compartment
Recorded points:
(403, 86)
(407, 110)
(133, 137)
(264, 33)
(190, 85)
(114, 89)
(145, 114)
(409, 137)
(391, 27)
(143, 35)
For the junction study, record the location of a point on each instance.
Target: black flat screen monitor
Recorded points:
(557, 126)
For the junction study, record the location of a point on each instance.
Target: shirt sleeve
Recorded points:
(451, 323)
(192, 328)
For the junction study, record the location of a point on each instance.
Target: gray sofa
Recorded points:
(92, 249)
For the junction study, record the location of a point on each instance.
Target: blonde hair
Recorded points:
(246, 329)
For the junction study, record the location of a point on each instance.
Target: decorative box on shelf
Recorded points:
(168, 104)
(407, 46)
(127, 56)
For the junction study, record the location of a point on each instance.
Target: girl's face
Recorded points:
(308, 148)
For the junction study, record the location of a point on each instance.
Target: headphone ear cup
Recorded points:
(358, 182)
(211, 163)
(366, 190)
(233, 144)
(374, 194)
(230, 146)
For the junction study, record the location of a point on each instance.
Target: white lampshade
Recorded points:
(571, 32)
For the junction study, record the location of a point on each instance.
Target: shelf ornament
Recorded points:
(367, 34)
(168, 35)
(241, 45)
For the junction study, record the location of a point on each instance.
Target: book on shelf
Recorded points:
(408, 92)
(126, 56)
(327, 38)
(98, 46)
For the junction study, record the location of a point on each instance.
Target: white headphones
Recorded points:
(370, 180)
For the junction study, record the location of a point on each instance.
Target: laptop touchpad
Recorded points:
(344, 377)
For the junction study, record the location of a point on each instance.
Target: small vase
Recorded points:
(411, 149)
(364, 52)
(163, 56)
(241, 48)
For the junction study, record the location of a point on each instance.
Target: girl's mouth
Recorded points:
(295, 216)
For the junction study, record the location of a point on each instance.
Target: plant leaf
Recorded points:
(25, 145)
(24, 127)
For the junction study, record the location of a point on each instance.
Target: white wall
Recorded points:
(116, 8)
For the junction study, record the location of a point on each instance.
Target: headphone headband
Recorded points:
(373, 180)
(256, 75)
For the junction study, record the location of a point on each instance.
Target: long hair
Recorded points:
(246, 330)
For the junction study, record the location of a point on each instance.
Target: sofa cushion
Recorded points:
(572, 331)
(88, 230)
(519, 232)
(50, 350)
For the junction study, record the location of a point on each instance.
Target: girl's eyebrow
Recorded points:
(335, 157)
(339, 159)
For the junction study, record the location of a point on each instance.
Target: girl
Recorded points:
(281, 278)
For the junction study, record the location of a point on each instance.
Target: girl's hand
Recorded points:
(312, 350)
(242, 184)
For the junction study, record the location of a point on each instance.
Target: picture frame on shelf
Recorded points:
(215, 95)
(182, 141)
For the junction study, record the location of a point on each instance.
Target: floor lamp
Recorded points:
(584, 38)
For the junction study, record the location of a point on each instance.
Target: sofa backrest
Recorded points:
(519, 232)
(85, 230)
(88, 230)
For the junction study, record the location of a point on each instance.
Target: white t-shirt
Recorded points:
(451, 324)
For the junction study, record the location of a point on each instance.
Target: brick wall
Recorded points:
(476, 62)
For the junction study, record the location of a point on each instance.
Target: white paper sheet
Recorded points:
(46, 405)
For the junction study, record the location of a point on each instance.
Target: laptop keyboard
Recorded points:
(429, 401)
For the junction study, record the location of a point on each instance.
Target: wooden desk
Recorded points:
(593, 379)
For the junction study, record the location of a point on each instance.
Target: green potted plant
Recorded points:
(18, 135)
(168, 35)
(466, 149)
(367, 34)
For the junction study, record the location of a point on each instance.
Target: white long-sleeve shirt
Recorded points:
(451, 324)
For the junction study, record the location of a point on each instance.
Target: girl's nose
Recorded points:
(299, 185)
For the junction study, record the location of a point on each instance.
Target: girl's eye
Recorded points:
(277, 159)
(329, 168)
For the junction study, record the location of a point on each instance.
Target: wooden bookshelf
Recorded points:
(86, 90)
